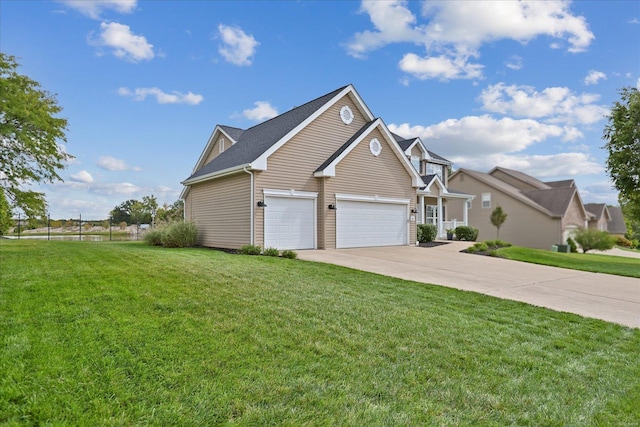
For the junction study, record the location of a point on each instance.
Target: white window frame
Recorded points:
(486, 200)
(415, 161)
(435, 169)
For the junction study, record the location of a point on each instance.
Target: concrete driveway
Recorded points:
(601, 296)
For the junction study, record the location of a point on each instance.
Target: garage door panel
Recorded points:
(289, 223)
(362, 224)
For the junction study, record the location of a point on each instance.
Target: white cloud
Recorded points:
(600, 192)
(453, 32)
(593, 77)
(515, 62)
(555, 104)
(94, 8)
(480, 135)
(440, 67)
(125, 44)
(238, 47)
(82, 176)
(262, 111)
(175, 97)
(112, 164)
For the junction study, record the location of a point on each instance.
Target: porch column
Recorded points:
(440, 219)
(465, 213)
(422, 214)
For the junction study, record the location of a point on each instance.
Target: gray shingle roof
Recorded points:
(255, 141)
(234, 133)
(555, 200)
(597, 209)
(563, 183)
(427, 179)
(617, 224)
(437, 157)
(523, 177)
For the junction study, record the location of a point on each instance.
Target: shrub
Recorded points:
(271, 252)
(572, 245)
(590, 239)
(154, 237)
(469, 234)
(623, 241)
(251, 250)
(289, 254)
(180, 235)
(498, 243)
(427, 233)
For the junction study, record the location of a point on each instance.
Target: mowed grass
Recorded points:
(126, 334)
(597, 263)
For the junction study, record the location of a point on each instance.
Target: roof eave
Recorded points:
(217, 174)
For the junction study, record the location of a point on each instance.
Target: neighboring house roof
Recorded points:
(522, 177)
(555, 200)
(617, 224)
(550, 201)
(598, 210)
(563, 183)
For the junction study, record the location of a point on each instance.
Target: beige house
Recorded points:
(327, 174)
(539, 214)
(600, 216)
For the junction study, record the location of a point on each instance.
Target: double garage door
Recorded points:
(289, 223)
(363, 224)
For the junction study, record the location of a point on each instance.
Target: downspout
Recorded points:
(252, 219)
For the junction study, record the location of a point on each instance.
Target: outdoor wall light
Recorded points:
(262, 204)
(332, 207)
(414, 210)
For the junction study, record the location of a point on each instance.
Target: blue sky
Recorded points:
(523, 85)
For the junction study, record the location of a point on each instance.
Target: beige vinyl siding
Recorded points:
(362, 173)
(292, 166)
(221, 210)
(525, 225)
(187, 206)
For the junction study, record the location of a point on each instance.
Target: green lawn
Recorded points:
(126, 334)
(597, 263)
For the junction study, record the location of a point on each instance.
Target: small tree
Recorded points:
(591, 239)
(498, 217)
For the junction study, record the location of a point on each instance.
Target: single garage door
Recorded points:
(289, 223)
(361, 224)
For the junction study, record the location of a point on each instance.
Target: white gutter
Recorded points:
(251, 220)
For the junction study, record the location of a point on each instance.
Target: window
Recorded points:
(486, 200)
(415, 161)
(221, 145)
(375, 147)
(468, 204)
(433, 169)
(346, 114)
(432, 214)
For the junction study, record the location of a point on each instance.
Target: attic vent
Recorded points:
(346, 115)
(375, 146)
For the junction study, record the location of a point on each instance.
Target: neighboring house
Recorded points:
(327, 174)
(600, 216)
(539, 214)
(617, 225)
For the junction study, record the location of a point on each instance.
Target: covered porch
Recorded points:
(431, 204)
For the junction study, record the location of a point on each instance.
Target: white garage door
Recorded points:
(361, 224)
(289, 223)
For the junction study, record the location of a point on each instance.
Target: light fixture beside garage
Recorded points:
(262, 204)
(332, 207)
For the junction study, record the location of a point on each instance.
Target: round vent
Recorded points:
(346, 115)
(375, 146)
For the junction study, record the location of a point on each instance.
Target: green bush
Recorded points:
(271, 252)
(251, 250)
(590, 239)
(498, 243)
(469, 234)
(572, 245)
(427, 233)
(154, 237)
(289, 254)
(180, 235)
